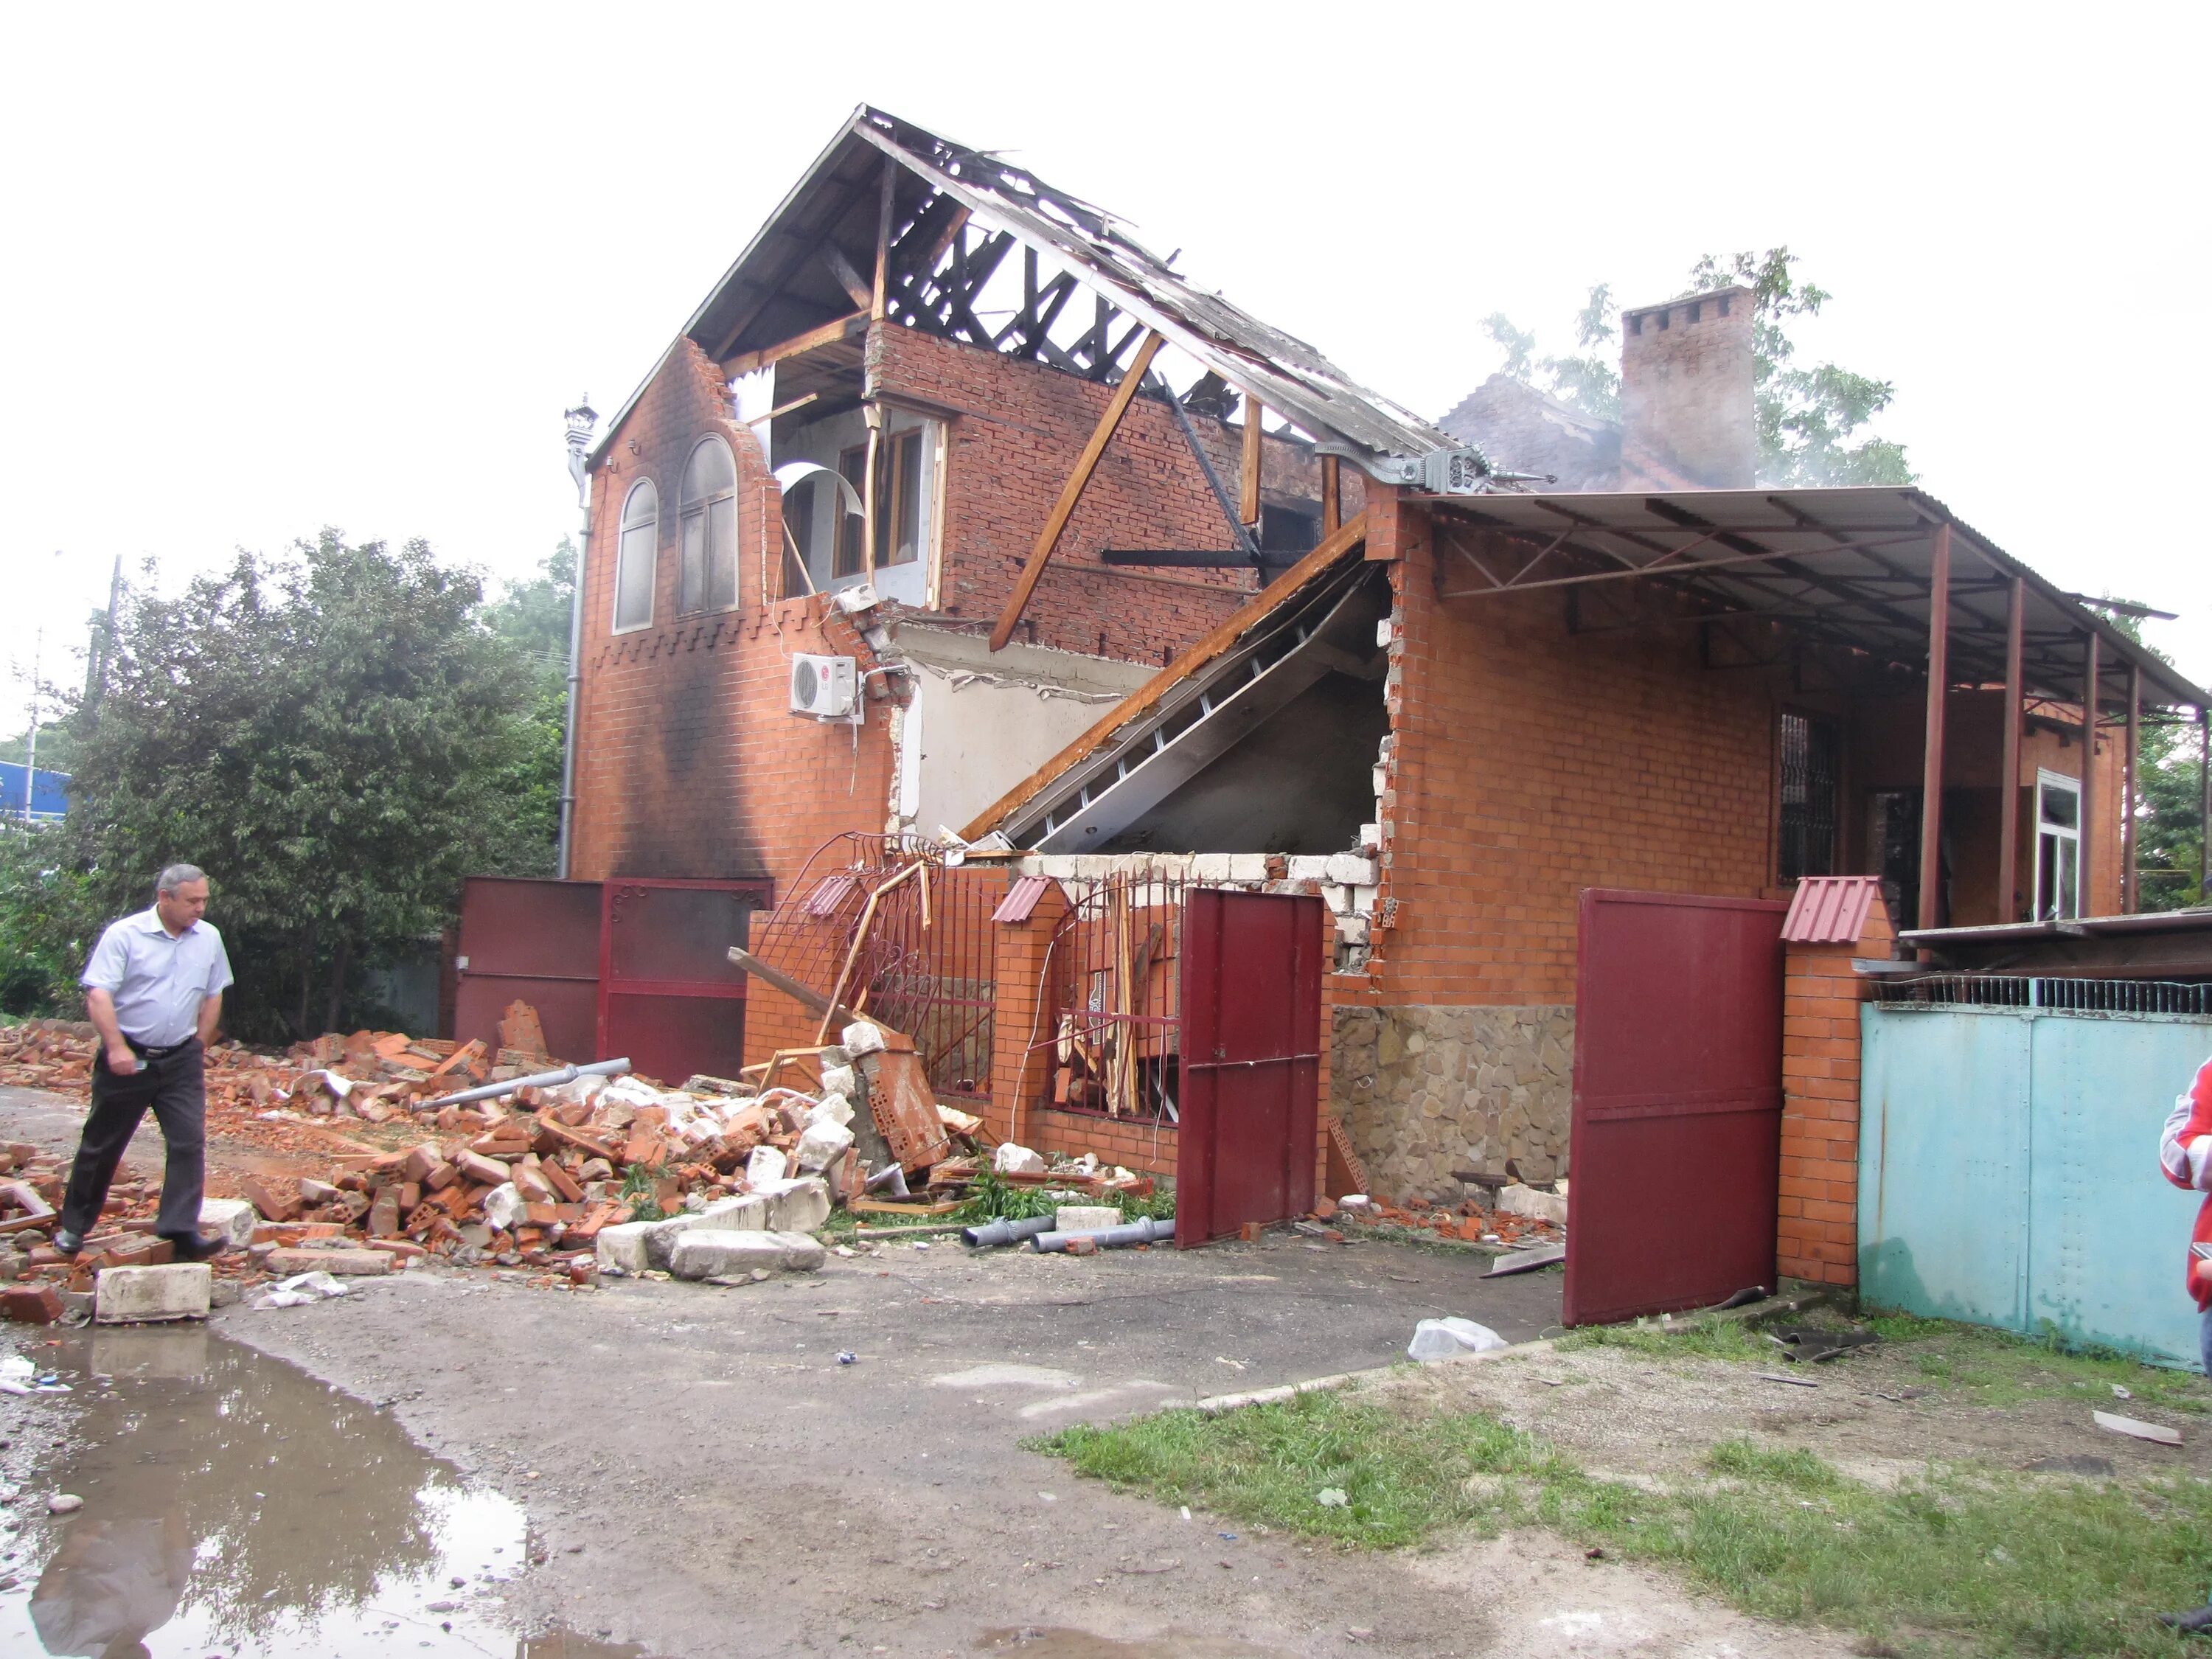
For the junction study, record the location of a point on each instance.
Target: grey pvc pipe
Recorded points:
(1006, 1233)
(536, 1079)
(1147, 1231)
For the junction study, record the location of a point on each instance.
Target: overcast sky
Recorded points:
(272, 269)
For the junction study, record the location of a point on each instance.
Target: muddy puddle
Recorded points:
(235, 1507)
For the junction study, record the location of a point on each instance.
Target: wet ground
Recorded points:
(704, 1479)
(234, 1506)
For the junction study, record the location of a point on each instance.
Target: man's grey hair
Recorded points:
(175, 876)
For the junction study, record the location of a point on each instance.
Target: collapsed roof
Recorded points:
(954, 216)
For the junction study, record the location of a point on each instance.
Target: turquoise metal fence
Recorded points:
(2009, 1169)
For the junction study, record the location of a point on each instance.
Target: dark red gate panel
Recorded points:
(670, 998)
(1675, 1153)
(536, 942)
(1249, 1076)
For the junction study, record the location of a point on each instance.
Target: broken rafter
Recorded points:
(832, 332)
(1245, 540)
(860, 292)
(1071, 491)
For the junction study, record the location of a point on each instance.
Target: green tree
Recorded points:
(57, 745)
(533, 616)
(47, 921)
(1809, 420)
(2170, 808)
(338, 738)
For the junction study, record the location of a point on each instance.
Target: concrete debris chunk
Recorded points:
(1538, 1206)
(1010, 1159)
(350, 1264)
(130, 1296)
(660, 1238)
(231, 1220)
(709, 1252)
(623, 1246)
(822, 1143)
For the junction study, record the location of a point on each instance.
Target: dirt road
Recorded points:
(704, 1478)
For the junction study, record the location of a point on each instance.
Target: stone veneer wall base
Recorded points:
(1426, 1091)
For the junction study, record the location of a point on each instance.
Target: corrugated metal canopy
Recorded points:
(1830, 909)
(1850, 567)
(782, 285)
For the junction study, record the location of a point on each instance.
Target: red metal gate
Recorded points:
(670, 997)
(1676, 1142)
(1251, 1071)
(526, 940)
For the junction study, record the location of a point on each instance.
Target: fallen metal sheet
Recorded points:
(1526, 1261)
(2135, 1428)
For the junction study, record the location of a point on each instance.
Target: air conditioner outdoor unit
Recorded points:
(824, 687)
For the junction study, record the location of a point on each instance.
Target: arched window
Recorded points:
(636, 558)
(709, 579)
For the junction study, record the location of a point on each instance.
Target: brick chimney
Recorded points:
(1688, 417)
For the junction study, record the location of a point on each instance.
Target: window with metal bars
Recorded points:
(1811, 756)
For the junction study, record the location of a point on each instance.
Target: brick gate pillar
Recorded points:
(1021, 1079)
(1831, 919)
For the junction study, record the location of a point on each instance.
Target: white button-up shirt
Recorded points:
(158, 979)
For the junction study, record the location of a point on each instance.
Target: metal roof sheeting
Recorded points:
(1849, 566)
(1830, 909)
(1022, 899)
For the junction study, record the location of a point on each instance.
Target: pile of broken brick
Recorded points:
(1517, 1217)
(569, 1178)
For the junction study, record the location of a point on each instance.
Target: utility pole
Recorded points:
(31, 744)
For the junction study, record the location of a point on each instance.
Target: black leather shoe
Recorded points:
(191, 1247)
(67, 1243)
(2199, 1619)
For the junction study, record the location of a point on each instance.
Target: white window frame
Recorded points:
(2046, 780)
(623, 527)
(703, 509)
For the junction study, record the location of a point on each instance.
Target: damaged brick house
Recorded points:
(945, 464)
(959, 432)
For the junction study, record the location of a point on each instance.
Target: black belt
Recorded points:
(147, 1051)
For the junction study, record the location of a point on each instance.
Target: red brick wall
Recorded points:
(1016, 429)
(1147, 1147)
(1530, 763)
(688, 761)
(1816, 1221)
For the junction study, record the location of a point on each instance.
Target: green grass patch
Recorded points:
(1789, 1466)
(1700, 1336)
(2000, 1368)
(1403, 1478)
(1980, 1365)
(1960, 1560)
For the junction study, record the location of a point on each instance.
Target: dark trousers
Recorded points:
(174, 1084)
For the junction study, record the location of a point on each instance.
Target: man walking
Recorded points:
(153, 988)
